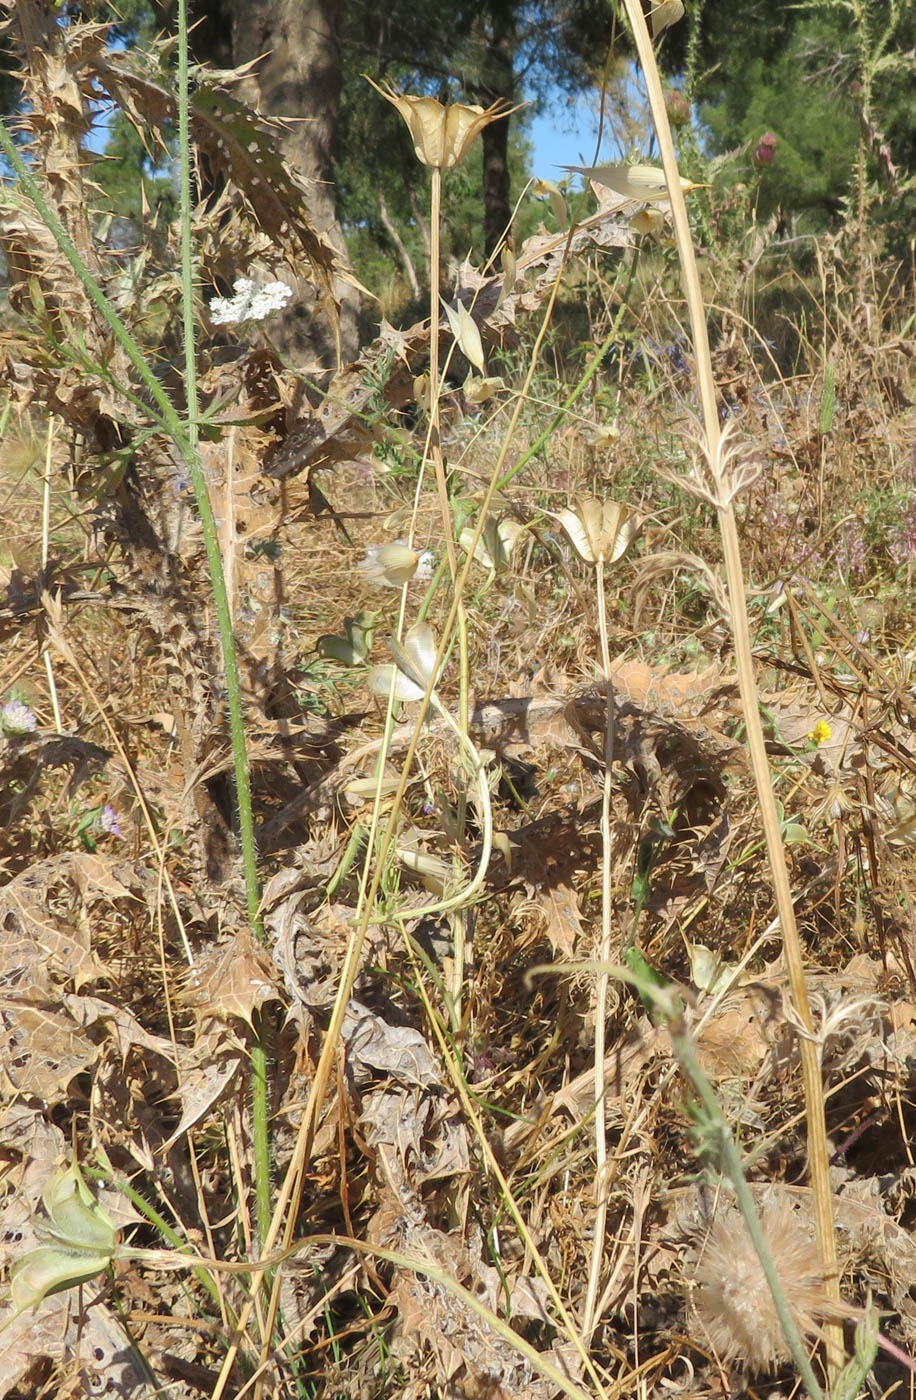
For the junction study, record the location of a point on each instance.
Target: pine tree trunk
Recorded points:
(498, 80)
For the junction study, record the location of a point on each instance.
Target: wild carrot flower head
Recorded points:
(253, 301)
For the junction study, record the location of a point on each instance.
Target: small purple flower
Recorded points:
(17, 719)
(902, 542)
(107, 821)
(775, 517)
(854, 548)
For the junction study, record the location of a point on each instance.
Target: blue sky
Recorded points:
(563, 138)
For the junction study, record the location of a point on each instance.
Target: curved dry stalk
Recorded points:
(462, 898)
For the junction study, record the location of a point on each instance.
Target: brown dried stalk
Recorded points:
(724, 478)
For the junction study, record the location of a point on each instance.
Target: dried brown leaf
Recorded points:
(43, 947)
(205, 1078)
(233, 979)
(240, 145)
(95, 874)
(564, 930)
(41, 1050)
(127, 1032)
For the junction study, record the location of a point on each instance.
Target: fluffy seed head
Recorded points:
(733, 1303)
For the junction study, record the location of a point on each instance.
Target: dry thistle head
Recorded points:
(414, 665)
(732, 1302)
(664, 14)
(442, 135)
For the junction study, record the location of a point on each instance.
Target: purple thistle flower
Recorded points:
(765, 153)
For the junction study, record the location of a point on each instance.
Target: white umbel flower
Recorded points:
(253, 301)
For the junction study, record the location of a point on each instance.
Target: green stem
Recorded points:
(167, 1231)
(179, 434)
(187, 254)
(259, 1106)
(122, 335)
(184, 437)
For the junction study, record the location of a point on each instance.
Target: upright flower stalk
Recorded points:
(601, 534)
(442, 135)
(289, 1193)
(718, 479)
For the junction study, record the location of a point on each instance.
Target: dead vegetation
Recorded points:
(445, 1200)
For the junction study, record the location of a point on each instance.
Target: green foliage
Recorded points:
(831, 80)
(129, 177)
(814, 123)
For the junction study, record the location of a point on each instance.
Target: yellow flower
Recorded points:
(821, 732)
(442, 135)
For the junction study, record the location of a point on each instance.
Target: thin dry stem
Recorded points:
(604, 957)
(818, 1151)
(45, 540)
